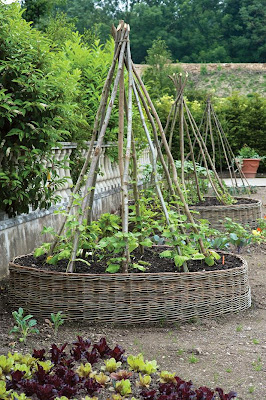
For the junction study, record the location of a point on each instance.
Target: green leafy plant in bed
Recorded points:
(90, 235)
(184, 246)
(55, 321)
(103, 240)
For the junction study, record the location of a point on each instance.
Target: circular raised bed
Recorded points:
(130, 298)
(246, 213)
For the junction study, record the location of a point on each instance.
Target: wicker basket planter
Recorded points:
(130, 298)
(241, 213)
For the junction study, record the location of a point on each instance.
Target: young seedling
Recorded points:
(180, 352)
(257, 365)
(56, 321)
(24, 325)
(193, 359)
(251, 389)
(255, 341)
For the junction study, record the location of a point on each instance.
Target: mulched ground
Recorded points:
(151, 256)
(212, 201)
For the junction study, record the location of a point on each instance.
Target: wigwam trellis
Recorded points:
(208, 146)
(132, 297)
(198, 138)
(116, 82)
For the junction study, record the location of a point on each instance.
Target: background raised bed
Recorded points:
(241, 213)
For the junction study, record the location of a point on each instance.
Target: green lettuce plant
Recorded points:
(112, 365)
(144, 381)
(138, 364)
(123, 387)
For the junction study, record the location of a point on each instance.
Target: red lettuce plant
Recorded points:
(39, 354)
(102, 347)
(62, 378)
(92, 386)
(224, 396)
(57, 353)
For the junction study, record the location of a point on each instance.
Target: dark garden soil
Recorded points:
(213, 201)
(229, 351)
(151, 257)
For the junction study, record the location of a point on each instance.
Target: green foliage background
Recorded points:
(51, 82)
(194, 31)
(37, 108)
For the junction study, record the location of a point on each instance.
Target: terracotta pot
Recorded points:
(250, 167)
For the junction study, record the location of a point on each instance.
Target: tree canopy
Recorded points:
(194, 31)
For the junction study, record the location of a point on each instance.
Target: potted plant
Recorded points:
(249, 160)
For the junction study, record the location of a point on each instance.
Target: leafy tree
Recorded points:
(60, 29)
(37, 109)
(39, 11)
(244, 30)
(156, 76)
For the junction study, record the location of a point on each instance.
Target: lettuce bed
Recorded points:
(93, 371)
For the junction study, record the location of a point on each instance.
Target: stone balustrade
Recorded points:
(107, 189)
(22, 234)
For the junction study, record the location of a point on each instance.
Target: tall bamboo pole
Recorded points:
(156, 180)
(125, 181)
(171, 161)
(96, 155)
(104, 97)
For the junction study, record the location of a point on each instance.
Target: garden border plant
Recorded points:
(36, 111)
(93, 371)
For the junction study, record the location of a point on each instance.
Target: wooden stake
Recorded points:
(96, 155)
(154, 167)
(171, 161)
(193, 161)
(125, 181)
(157, 143)
(104, 98)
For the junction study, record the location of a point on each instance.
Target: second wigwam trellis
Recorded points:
(115, 80)
(207, 146)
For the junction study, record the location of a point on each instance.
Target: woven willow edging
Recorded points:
(241, 213)
(130, 298)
